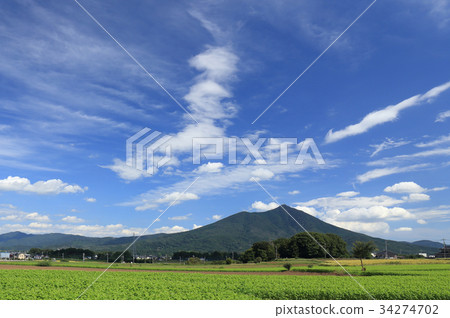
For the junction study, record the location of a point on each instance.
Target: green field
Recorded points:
(388, 280)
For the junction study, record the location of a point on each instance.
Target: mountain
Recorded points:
(234, 233)
(426, 243)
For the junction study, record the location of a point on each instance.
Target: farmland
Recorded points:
(406, 279)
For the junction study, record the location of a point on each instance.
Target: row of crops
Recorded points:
(59, 284)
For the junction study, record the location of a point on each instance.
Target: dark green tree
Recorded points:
(363, 250)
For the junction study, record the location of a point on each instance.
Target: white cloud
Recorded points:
(216, 217)
(348, 194)
(262, 174)
(261, 206)
(402, 158)
(126, 172)
(309, 210)
(417, 197)
(52, 186)
(195, 226)
(405, 187)
(439, 141)
(329, 203)
(72, 219)
(169, 230)
(180, 218)
(420, 221)
(443, 116)
(37, 217)
(382, 172)
(90, 200)
(403, 229)
(374, 213)
(294, 192)
(387, 144)
(362, 227)
(385, 115)
(210, 167)
(173, 198)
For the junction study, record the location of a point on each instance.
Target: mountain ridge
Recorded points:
(236, 232)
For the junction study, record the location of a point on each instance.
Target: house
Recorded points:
(22, 256)
(5, 256)
(386, 255)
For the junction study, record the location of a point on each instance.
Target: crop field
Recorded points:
(400, 280)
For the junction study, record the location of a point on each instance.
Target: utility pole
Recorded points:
(107, 258)
(445, 248)
(83, 257)
(62, 255)
(134, 249)
(386, 253)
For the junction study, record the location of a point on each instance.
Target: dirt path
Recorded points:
(88, 269)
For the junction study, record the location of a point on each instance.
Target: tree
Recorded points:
(363, 250)
(265, 250)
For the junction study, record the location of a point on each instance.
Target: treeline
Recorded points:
(210, 256)
(77, 253)
(301, 245)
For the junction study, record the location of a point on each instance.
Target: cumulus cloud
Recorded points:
(364, 227)
(195, 226)
(37, 217)
(441, 117)
(388, 114)
(262, 174)
(403, 229)
(416, 197)
(169, 230)
(309, 210)
(210, 167)
(72, 219)
(421, 221)
(90, 200)
(261, 206)
(52, 186)
(294, 192)
(405, 187)
(216, 217)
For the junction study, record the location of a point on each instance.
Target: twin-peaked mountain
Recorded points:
(234, 233)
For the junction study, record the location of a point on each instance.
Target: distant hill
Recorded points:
(426, 243)
(234, 233)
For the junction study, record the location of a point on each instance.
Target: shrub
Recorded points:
(287, 266)
(310, 266)
(44, 263)
(193, 261)
(258, 260)
(229, 261)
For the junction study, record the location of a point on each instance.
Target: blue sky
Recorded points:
(376, 104)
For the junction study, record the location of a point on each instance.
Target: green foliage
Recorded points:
(193, 261)
(229, 261)
(44, 263)
(258, 260)
(288, 266)
(416, 282)
(363, 250)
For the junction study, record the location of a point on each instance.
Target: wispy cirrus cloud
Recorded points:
(388, 114)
